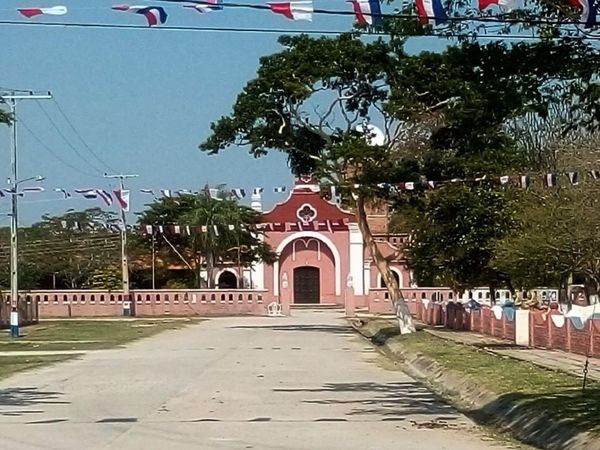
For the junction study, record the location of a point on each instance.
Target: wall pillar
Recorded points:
(285, 296)
(357, 258)
(349, 294)
(522, 323)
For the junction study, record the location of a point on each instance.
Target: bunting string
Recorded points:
(366, 12)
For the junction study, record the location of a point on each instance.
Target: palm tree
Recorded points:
(220, 227)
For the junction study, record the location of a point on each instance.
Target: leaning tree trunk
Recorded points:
(405, 321)
(210, 268)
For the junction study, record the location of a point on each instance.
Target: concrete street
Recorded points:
(301, 382)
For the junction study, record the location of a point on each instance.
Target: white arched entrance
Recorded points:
(310, 235)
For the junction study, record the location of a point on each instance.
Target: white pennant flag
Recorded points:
(51, 11)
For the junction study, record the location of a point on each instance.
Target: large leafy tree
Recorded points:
(230, 235)
(442, 114)
(556, 234)
(63, 250)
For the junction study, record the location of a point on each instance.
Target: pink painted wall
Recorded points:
(310, 252)
(309, 256)
(152, 303)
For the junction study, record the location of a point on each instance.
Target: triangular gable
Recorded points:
(306, 205)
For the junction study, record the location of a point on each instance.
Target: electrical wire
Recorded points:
(64, 138)
(448, 35)
(53, 153)
(85, 144)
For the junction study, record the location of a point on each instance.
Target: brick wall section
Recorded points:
(152, 303)
(543, 332)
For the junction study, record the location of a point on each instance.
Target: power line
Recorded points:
(446, 35)
(64, 138)
(53, 153)
(85, 144)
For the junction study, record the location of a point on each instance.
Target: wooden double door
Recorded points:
(307, 285)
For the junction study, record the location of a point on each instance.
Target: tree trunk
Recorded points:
(492, 295)
(210, 268)
(563, 293)
(405, 321)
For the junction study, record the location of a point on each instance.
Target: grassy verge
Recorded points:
(75, 335)
(554, 393)
(85, 335)
(10, 365)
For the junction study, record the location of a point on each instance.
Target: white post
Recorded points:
(522, 327)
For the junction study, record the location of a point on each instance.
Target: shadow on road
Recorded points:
(335, 329)
(383, 399)
(28, 396)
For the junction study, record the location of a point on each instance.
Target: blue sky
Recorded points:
(142, 99)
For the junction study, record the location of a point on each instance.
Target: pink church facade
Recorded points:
(321, 252)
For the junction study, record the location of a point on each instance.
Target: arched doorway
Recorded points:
(395, 275)
(227, 280)
(307, 284)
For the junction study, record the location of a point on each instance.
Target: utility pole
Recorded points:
(124, 262)
(153, 258)
(12, 99)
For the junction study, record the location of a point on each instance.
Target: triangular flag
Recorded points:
(52, 11)
(207, 6)
(368, 12)
(122, 199)
(505, 5)
(589, 11)
(300, 10)
(105, 196)
(238, 193)
(88, 193)
(154, 14)
(431, 12)
(64, 192)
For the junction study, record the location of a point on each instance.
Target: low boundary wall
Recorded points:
(88, 303)
(549, 329)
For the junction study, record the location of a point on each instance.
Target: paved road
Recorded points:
(302, 382)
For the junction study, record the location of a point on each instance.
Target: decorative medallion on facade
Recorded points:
(306, 213)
